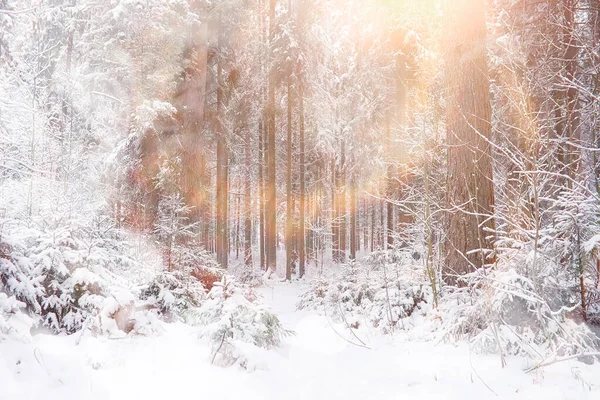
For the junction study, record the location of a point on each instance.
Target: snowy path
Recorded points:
(314, 364)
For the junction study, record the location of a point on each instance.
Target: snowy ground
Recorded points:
(316, 363)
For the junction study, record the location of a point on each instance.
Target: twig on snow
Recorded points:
(337, 333)
(561, 359)
(219, 348)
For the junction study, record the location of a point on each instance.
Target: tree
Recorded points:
(173, 228)
(470, 191)
(247, 200)
(301, 206)
(289, 224)
(222, 188)
(271, 188)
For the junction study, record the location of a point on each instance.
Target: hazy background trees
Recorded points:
(295, 134)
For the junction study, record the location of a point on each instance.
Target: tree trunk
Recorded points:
(372, 225)
(342, 203)
(302, 239)
(335, 234)
(365, 224)
(382, 237)
(389, 188)
(222, 171)
(401, 95)
(470, 190)
(271, 206)
(573, 115)
(289, 211)
(353, 221)
(248, 203)
(261, 191)
(238, 225)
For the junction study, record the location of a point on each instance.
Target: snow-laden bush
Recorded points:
(535, 299)
(382, 292)
(227, 317)
(502, 312)
(247, 274)
(62, 273)
(172, 293)
(14, 323)
(83, 294)
(567, 254)
(207, 275)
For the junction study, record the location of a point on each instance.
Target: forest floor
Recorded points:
(320, 361)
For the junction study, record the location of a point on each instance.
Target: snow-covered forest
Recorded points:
(340, 199)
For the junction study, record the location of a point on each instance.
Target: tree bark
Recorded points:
(335, 231)
(271, 206)
(261, 193)
(342, 203)
(301, 228)
(573, 114)
(382, 237)
(222, 170)
(372, 207)
(289, 211)
(353, 220)
(389, 188)
(248, 202)
(470, 190)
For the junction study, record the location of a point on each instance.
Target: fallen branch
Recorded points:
(557, 360)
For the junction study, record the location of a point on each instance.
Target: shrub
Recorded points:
(207, 276)
(247, 274)
(172, 293)
(227, 317)
(62, 273)
(504, 313)
(14, 323)
(376, 292)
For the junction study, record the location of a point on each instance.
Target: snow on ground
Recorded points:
(316, 363)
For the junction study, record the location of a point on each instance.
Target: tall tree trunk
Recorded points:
(289, 211)
(342, 203)
(401, 216)
(372, 207)
(389, 230)
(271, 206)
(206, 183)
(470, 190)
(238, 225)
(353, 220)
(381, 240)
(335, 232)
(389, 185)
(365, 224)
(262, 137)
(301, 228)
(222, 169)
(572, 95)
(248, 203)
(261, 191)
